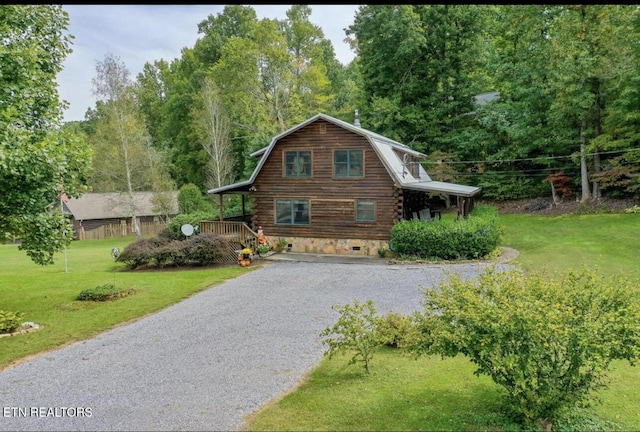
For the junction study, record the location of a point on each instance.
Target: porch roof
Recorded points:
(443, 187)
(241, 187)
(405, 180)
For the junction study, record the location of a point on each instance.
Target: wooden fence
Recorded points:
(148, 229)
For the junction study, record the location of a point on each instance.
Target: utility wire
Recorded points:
(536, 158)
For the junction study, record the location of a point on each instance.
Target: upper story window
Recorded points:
(297, 164)
(348, 163)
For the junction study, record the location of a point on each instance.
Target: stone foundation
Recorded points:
(333, 246)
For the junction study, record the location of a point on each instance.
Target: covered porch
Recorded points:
(427, 199)
(243, 189)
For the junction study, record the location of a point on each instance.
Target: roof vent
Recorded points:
(356, 122)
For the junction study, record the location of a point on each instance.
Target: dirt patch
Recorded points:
(545, 206)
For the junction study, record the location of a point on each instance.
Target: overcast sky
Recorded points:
(138, 34)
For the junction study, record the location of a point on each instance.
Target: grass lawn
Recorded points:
(443, 394)
(400, 394)
(555, 243)
(46, 294)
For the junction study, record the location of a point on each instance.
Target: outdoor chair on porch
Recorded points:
(424, 214)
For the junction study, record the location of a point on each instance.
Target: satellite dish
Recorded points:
(187, 229)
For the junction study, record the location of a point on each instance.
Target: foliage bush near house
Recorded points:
(474, 237)
(282, 243)
(139, 253)
(263, 249)
(104, 292)
(194, 219)
(170, 254)
(205, 249)
(10, 321)
(197, 250)
(547, 342)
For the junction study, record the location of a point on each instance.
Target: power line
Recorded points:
(537, 158)
(522, 171)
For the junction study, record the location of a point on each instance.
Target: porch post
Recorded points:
(221, 207)
(242, 206)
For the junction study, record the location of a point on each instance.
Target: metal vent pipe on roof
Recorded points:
(356, 122)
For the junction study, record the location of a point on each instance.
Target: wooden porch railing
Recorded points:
(231, 231)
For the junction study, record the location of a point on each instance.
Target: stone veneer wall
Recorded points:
(333, 246)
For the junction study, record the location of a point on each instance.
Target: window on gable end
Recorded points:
(348, 163)
(297, 164)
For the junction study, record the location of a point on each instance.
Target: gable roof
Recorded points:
(384, 148)
(114, 205)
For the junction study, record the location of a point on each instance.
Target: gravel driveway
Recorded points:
(208, 361)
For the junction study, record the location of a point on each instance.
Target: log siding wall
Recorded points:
(332, 212)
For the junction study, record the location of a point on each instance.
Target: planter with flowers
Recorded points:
(245, 257)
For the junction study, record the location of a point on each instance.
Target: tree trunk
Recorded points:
(597, 120)
(597, 167)
(583, 164)
(554, 195)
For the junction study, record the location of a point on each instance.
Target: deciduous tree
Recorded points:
(125, 161)
(38, 161)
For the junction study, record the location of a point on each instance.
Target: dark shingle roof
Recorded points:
(114, 205)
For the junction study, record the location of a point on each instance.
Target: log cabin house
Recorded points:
(328, 186)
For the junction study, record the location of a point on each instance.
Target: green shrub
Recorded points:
(393, 329)
(548, 343)
(474, 237)
(204, 249)
(355, 331)
(197, 250)
(10, 321)
(282, 243)
(104, 292)
(172, 254)
(139, 253)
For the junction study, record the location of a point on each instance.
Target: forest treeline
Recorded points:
(509, 98)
